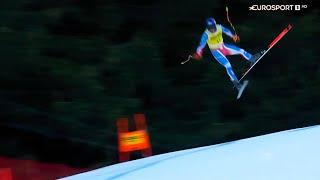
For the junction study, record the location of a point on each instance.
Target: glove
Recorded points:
(236, 38)
(197, 56)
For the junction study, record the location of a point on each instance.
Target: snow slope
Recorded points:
(286, 155)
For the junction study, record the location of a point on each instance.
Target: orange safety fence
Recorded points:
(18, 169)
(129, 141)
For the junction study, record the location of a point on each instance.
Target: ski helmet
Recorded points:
(211, 23)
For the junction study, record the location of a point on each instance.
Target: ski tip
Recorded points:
(244, 85)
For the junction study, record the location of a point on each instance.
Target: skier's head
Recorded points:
(211, 24)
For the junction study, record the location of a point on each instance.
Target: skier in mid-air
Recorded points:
(213, 37)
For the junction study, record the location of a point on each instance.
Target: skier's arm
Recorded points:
(227, 31)
(201, 46)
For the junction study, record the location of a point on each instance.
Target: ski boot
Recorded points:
(240, 87)
(255, 57)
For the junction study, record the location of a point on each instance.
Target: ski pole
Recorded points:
(189, 57)
(234, 29)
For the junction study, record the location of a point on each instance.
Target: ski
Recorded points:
(275, 41)
(243, 86)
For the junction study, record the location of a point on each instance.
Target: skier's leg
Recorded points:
(220, 57)
(229, 49)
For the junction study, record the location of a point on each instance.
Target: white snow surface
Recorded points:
(286, 155)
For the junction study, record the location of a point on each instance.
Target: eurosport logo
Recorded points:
(277, 7)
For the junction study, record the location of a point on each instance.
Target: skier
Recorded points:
(213, 37)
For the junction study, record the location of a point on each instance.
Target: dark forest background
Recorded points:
(70, 68)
